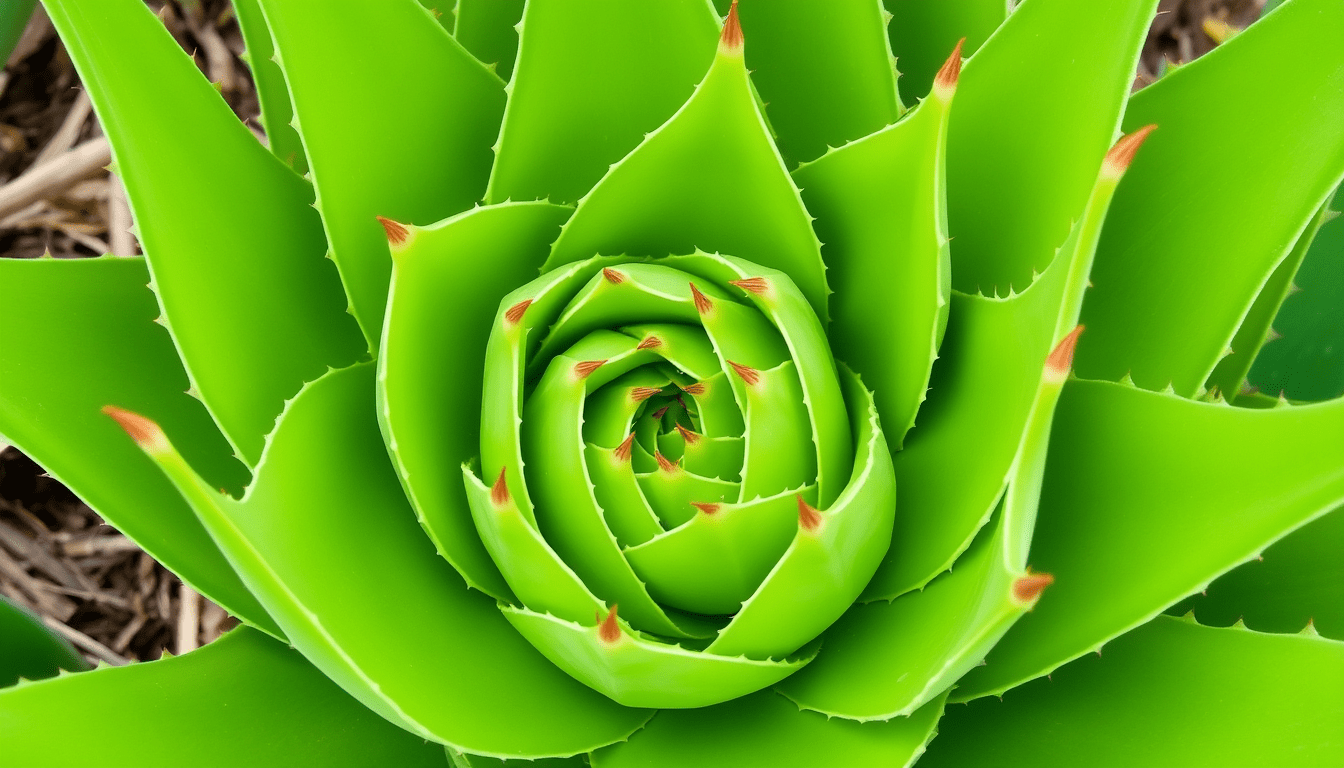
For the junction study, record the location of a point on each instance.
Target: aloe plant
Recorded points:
(698, 394)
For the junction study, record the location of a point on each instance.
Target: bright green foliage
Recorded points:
(780, 458)
(30, 651)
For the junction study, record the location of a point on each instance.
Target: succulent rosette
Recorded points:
(600, 435)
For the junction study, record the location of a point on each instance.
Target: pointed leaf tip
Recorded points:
(808, 516)
(690, 437)
(698, 388)
(658, 414)
(640, 394)
(622, 452)
(749, 375)
(1122, 154)
(1027, 588)
(650, 343)
(499, 492)
(585, 369)
(608, 631)
(702, 302)
(143, 431)
(664, 463)
(756, 285)
(1059, 362)
(397, 233)
(708, 507)
(612, 276)
(946, 79)
(730, 42)
(514, 315)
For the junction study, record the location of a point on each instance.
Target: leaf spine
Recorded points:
(757, 285)
(945, 82)
(698, 388)
(612, 276)
(514, 315)
(584, 369)
(731, 40)
(690, 437)
(750, 375)
(707, 507)
(1059, 362)
(608, 631)
(650, 343)
(640, 394)
(622, 452)
(664, 463)
(1122, 154)
(143, 431)
(808, 516)
(1028, 587)
(397, 233)
(702, 302)
(499, 492)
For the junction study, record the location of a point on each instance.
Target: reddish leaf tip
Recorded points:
(749, 375)
(947, 77)
(143, 431)
(612, 276)
(608, 631)
(1026, 589)
(650, 343)
(514, 315)
(702, 302)
(397, 233)
(708, 507)
(584, 369)
(658, 414)
(731, 40)
(756, 285)
(622, 452)
(698, 388)
(664, 463)
(1061, 358)
(808, 516)
(1122, 154)
(499, 492)
(690, 437)
(640, 394)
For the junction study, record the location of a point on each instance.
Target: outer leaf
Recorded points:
(767, 731)
(13, 18)
(60, 367)
(245, 699)
(486, 28)
(1308, 362)
(1195, 233)
(1171, 693)
(436, 659)
(460, 760)
(1020, 161)
(923, 31)
(29, 650)
(1193, 516)
(710, 178)
(273, 96)
(571, 113)
(252, 306)
(824, 70)
(403, 132)
(447, 282)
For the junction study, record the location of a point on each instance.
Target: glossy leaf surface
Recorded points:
(29, 650)
(923, 31)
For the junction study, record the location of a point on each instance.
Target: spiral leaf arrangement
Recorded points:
(838, 399)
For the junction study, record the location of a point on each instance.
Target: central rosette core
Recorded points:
(678, 484)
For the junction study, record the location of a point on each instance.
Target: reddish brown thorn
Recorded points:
(731, 39)
(658, 414)
(1059, 362)
(514, 315)
(748, 374)
(698, 388)
(608, 631)
(664, 463)
(650, 343)
(640, 394)
(1122, 154)
(708, 507)
(808, 516)
(1029, 587)
(612, 276)
(396, 231)
(622, 452)
(702, 302)
(499, 492)
(143, 431)
(690, 437)
(757, 285)
(584, 369)
(947, 77)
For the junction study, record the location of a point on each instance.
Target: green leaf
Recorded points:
(237, 263)
(411, 643)
(879, 196)
(824, 69)
(923, 31)
(447, 282)
(1308, 362)
(1020, 161)
(1170, 693)
(245, 699)
(765, 730)
(486, 29)
(13, 18)
(1147, 474)
(60, 367)
(272, 95)
(1251, 145)
(708, 179)
(397, 120)
(30, 651)
(460, 760)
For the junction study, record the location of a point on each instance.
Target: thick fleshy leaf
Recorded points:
(1251, 145)
(923, 31)
(486, 28)
(593, 77)
(1308, 362)
(30, 651)
(245, 699)
(1020, 161)
(254, 309)
(272, 94)
(881, 212)
(403, 132)
(447, 281)
(400, 632)
(765, 730)
(460, 760)
(824, 71)
(710, 179)
(1147, 473)
(1170, 693)
(102, 347)
(13, 18)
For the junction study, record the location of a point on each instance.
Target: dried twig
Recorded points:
(119, 219)
(66, 136)
(51, 177)
(87, 643)
(188, 620)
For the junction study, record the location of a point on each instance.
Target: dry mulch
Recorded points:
(57, 557)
